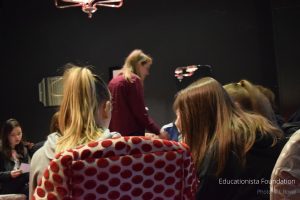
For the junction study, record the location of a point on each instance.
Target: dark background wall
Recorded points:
(286, 18)
(235, 37)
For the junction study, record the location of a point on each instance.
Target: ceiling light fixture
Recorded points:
(88, 6)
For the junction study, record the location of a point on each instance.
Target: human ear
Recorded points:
(106, 110)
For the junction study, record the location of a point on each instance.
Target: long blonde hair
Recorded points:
(210, 121)
(83, 92)
(136, 57)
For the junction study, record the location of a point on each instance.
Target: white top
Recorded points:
(285, 179)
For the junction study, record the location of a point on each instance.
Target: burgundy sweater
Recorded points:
(129, 116)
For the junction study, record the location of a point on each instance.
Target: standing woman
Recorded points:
(13, 153)
(129, 115)
(234, 151)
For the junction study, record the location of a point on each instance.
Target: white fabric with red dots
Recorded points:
(122, 168)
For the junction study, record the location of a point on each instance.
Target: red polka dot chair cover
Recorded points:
(121, 168)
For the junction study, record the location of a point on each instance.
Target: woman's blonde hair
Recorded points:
(83, 92)
(210, 121)
(136, 57)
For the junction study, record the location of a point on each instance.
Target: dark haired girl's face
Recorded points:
(15, 136)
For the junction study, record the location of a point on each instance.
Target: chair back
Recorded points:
(122, 168)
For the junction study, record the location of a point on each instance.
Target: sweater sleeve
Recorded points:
(35, 174)
(4, 174)
(137, 105)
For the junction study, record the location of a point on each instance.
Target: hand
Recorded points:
(151, 135)
(163, 135)
(15, 173)
(29, 145)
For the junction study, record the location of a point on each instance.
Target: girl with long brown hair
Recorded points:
(233, 150)
(13, 153)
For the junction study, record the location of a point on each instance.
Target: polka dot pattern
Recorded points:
(65, 160)
(123, 168)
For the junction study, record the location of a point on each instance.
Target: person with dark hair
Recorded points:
(54, 127)
(234, 151)
(129, 115)
(84, 116)
(54, 130)
(13, 153)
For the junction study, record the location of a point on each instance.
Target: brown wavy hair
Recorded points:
(211, 121)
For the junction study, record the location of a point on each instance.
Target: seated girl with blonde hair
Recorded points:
(84, 116)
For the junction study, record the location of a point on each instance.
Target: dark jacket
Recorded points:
(248, 182)
(9, 185)
(290, 128)
(295, 117)
(129, 116)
